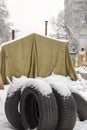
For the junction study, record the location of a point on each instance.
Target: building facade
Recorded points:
(76, 20)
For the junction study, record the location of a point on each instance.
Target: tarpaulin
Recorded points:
(35, 56)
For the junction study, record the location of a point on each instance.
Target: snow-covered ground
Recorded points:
(80, 85)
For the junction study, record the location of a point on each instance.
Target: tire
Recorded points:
(11, 110)
(66, 111)
(81, 106)
(38, 111)
(66, 105)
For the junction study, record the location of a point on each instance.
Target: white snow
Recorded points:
(82, 69)
(39, 85)
(17, 39)
(80, 86)
(16, 84)
(14, 40)
(55, 82)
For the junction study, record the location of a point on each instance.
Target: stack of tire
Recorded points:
(37, 105)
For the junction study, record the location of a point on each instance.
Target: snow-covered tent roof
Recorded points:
(34, 56)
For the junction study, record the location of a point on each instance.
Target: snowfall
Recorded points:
(80, 85)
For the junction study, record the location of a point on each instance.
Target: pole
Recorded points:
(13, 34)
(46, 23)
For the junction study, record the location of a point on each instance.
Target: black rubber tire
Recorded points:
(81, 106)
(38, 111)
(66, 111)
(11, 110)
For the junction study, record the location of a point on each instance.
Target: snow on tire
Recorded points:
(38, 106)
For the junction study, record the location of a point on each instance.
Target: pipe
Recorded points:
(46, 23)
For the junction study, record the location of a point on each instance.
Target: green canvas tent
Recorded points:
(35, 55)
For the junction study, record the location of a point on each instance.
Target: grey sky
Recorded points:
(29, 15)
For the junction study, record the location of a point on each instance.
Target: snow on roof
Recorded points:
(14, 40)
(17, 39)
